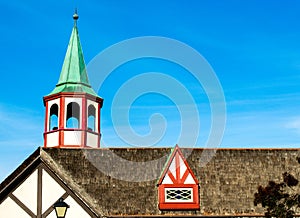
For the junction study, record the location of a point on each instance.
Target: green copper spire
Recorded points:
(73, 76)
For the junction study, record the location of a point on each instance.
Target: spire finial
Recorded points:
(75, 15)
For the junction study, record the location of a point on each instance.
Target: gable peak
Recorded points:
(177, 170)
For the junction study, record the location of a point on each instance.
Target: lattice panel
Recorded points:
(179, 195)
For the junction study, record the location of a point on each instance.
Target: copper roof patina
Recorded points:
(73, 76)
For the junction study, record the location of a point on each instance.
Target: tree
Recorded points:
(280, 199)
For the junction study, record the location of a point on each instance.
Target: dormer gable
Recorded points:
(178, 186)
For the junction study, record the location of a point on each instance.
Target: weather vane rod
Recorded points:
(75, 16)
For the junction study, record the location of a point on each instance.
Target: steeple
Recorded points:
(73, 108)
(73, 76)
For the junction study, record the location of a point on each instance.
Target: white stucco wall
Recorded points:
(51, 191)
(10, 209)
(27, 193)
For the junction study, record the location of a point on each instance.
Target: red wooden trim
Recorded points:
(176, 152)
(187, 165)
(174, 180)
(61, 120)
(98, 118)
(84, 122)
(177, 166)
(84, 114)
(185, 175)
(74, 95)
(178, 185)
(61, 137)
(162, 205)
(47, 117)
(99, 126)
(68, 130)
(177, 206)
(62, 113)
(46, 123)
(161, 194)
(190, 170)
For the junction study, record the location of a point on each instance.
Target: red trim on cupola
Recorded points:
(99, 120)
(177, 175)
(84, 121)
(61, 121)
(46, 123)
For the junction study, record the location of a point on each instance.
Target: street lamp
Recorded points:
(60, 208)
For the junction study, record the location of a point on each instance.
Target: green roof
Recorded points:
(73, 76)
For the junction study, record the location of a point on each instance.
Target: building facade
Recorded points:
(129, 182)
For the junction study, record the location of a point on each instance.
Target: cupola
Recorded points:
(73, 108)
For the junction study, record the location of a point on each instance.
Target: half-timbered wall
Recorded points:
(35, 195)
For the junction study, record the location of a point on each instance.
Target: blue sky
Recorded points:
(252, 45)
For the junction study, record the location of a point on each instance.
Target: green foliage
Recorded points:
(279, 199)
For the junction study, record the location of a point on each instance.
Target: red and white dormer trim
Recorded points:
(178, 186)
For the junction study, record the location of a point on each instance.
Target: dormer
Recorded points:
(178, 188)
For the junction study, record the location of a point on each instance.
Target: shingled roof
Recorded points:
(112, 188)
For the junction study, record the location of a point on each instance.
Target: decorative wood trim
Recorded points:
(70, 192)
(71, 129)
(46, 123)
(37, 164)
(84, 122)
(177, 165)
(178, 205)
(177, 183)
(20, 178)
(39, 192)
(62, 113)
(99, 123)
(99, 118)
(74, 95)
(185, 175)
(61, 137)
(172, 177)
(23, 206)
(61, 121)
(62, 118)
(166, 170)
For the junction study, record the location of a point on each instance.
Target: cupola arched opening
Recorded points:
(53, 122)
(73, 115)
(91, 124)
